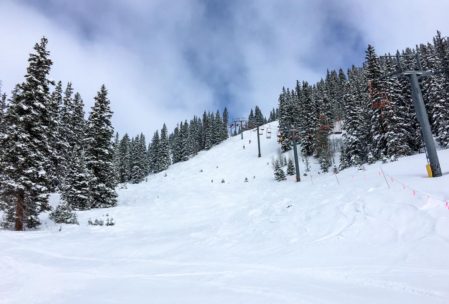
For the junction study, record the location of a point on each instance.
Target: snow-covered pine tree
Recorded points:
(57, 142)
(192, 144)
(356, 126)
(339, 107)
(124, 164)
(307, 119)
(224, 129)
(207, 131)
(99, 152)
(2, 112)
(217, 128)
(407, 107)
(183, 141)
(175, 145)
(441, 107)
(155, 162)
(290, 167)
(78, 122)
(76, 191)
(323, 150)
(194, 136)
(26, 152)
(116, 158)
(66, 132)
(396, 119)
(376, 89)
(251, 120)
(286, 119)
(63, 214)
(431, 86)
(332, 90)
(138, 159)
(279, 174)
(164, 149)
(258, 117)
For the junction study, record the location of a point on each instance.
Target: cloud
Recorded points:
(392, 25)
(147, 81)
(165, 61)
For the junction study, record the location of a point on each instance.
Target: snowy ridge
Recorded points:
(183, 236)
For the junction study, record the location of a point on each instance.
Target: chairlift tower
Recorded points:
(240, 121)
(293, 134)
(421, 113)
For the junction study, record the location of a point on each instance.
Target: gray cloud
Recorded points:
(168, 60)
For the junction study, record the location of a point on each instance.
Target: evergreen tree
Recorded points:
(356, 126)
(397, 121)
(323, 151)
(78, 123)
(155, 164)
(183, 141)
(63, 214)
(124, 166)
(376, 89)
(99, 153)
(195, 136)
(224, 132)
(2, 112)
(138, 159)
(251, 120)
(26, 152)
(441, 91)
(76, 192)
(279, 174)
(136, 169)
(164, 149)
(307, 119)
(207, 131)
(290, 167)
(116, 158)
(258, 117)
(57, 142)
(285, 119)
(217, 128)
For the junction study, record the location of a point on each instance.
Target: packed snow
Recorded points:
(198, 233)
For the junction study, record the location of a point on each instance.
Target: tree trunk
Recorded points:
(19, 211)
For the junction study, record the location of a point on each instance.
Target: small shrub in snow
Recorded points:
(246, 179)
(279, 174)
(108, 221)
(63, 214)
(290, 167)
(222, 181)
(96, 222)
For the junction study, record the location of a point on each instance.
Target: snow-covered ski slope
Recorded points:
(182, 238)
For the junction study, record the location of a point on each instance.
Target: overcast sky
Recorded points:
(164, 61)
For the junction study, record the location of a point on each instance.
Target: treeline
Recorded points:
(46, 145)
(377, 112)
(134, 160)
